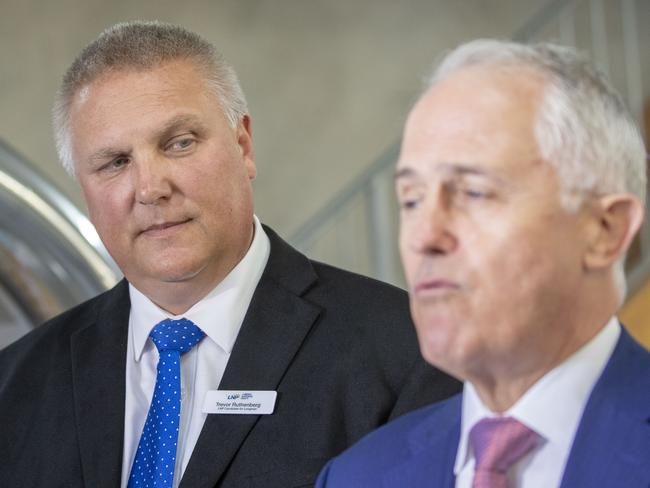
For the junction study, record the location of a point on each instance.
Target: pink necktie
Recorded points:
(498, 444)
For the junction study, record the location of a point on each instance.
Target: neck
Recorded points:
(500, 396)
(179, 298)
(510, 376)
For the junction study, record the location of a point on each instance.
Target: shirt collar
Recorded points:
(538, 408)
(220, 313)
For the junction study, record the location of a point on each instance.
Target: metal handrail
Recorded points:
(21, 179)
(345, 196)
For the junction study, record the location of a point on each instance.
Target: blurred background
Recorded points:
(329, 84)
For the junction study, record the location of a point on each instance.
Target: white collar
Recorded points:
(539, 408)
(220, 313)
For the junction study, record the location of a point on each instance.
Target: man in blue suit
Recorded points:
(521, 183)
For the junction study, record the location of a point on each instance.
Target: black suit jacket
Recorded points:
(339, 349)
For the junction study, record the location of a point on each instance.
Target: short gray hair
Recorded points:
(138, 46)
(583, 127)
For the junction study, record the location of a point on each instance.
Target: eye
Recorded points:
(181, 144)
(408, 203)
(115, 164)
(119, 162)
(472, 190)
(476, 194)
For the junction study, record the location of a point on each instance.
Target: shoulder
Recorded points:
(369, 316)
(395, 443)
(627, 373)
(628, 350)
(367, 311)
(350, 299)
(406, 433)
(292, 269)
(352, 287)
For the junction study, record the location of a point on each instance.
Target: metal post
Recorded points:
(382, 234)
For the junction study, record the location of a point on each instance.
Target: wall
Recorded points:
(328, 82)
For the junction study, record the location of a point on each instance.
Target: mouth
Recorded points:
(435, 287)
(164, 228)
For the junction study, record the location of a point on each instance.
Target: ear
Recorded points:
(245, 142)
(616, 219)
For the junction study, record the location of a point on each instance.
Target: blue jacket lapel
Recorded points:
(612, 444)
(433, 446)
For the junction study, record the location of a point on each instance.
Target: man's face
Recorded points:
(491, 258)
(166, 179)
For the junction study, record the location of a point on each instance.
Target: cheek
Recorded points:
(108, 211)
(408, 257)
(500, 265)
(523, 274)
(407, 264)
(505, 246)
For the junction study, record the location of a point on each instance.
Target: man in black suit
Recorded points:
(154, 126)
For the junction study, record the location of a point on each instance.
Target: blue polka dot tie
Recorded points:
(156, 456)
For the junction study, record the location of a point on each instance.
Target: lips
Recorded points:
(164, 227)
(435, 286)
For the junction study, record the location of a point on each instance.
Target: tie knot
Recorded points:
(176, 335)
(500, 442)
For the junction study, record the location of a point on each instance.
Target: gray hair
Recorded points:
(583, 128)
(138, 46)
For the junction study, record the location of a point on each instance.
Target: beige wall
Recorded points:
(328, 81)
(635, 314)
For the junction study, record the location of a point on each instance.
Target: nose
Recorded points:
(152, 181)
(430, 229)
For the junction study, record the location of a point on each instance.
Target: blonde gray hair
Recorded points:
(583, 127)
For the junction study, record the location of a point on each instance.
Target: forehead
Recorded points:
(478, 117)
(173, 82)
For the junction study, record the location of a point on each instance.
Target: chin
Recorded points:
(442, 345)
(178, 275)
(434, 347)
(174, 272)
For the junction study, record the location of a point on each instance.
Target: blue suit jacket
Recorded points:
(611, 448)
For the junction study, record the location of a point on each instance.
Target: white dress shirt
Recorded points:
(220, 315)
(552, 407)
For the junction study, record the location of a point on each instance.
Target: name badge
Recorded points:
(239, 402)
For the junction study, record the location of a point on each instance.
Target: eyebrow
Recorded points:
(176, 123)
(402, 173)
(451, 168)
(106, 153)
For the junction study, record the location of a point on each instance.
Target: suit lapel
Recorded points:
(433, 447)
(98, 376)
(276, 323)
(612, 443)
